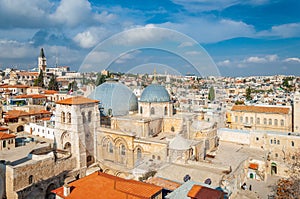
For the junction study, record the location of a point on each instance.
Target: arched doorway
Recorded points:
(251, 175)
(67, 146)
(273, 168)
(20, 128)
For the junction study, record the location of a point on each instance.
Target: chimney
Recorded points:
(67, 190)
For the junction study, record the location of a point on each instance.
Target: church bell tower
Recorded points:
(42, 61)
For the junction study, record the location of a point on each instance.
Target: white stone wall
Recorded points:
(41, 130)
(236, 136)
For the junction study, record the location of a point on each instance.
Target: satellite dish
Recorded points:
(186, 178)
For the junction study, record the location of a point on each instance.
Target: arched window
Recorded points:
(122, 150)
(293, 143)
(30, 179)
(109, 112)
(241, 119)
(282, 122)
(258, 120)
(166, 110)
(139, 153)
(63, 117)
(275, 122)
(83, 117)
(4, 143)
(90, 116)
(246, 120)
(110, 147)
(141, 110)
(265, 121)
(270, 121)
(152, 111)
(69, 118)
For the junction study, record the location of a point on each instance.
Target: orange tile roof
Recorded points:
(77, 100)
(50, 92)
(253, 166)
(165, 183)
(18, 113)
(3, 128)
(14, 86)
(28, 73)
(261, 109)
(33, 96)
(102, 185)
(4, 136)
(198, 191)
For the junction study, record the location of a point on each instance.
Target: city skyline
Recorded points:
(257, 37)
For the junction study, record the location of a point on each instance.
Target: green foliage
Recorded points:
(40, 80)
(53, 84)
(147, 175)
(100, 79)
(239, 103)
(211, 94)
(248, 94)
(73, 86)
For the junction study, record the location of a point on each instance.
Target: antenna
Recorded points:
(56, 58)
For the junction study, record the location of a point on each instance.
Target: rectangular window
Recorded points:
(236, 118)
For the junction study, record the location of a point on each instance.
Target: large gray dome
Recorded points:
(155, 93)
(115, 97)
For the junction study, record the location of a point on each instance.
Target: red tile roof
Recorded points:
(253, 166)
(33, 96)
(77, 100)
(3, 128)
(165, 183)
(14, 86)
(102, 185)
(261, 109)
(4, 136)
(201, 192)
(18, 113)
(47, 92)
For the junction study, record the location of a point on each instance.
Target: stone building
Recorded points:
(280, 147)
(267, 118)
(296, 112)
(145, 130)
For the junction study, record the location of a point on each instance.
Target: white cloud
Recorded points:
(207, 5)
(207, 30)
(186, 44)
(90, 37)
(226, 62)
(124, 57)
(72, 13)
(292, 59)
(284, 31)
(265, 59)
(193, 53)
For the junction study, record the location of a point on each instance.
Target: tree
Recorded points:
(289, 188)
(53, 84)
(248, 94)
(73, 86)
(40, 80)
(100, 79)
(211, 94)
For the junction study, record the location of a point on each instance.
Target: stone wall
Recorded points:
(34, 173)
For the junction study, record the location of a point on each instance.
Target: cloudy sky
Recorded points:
(243, 37)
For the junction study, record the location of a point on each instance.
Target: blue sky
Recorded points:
(243, 37)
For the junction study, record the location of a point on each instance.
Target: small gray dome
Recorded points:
(179, 143)
(155, 93)
(115, 97)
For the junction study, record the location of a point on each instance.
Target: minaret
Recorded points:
(42, 61)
